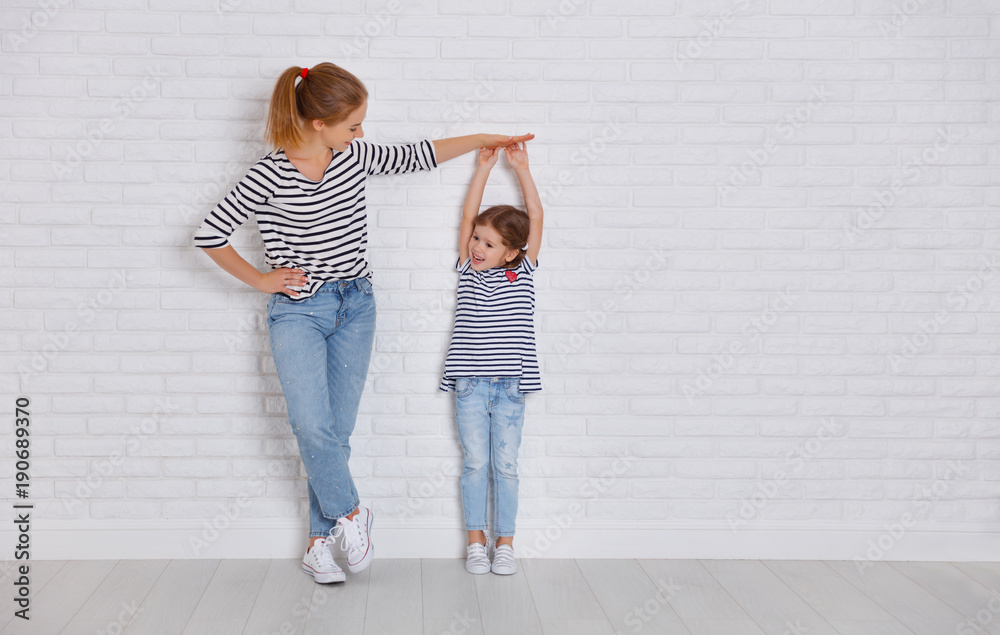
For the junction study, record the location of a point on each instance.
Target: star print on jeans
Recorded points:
(507, 465)
(512, 421)
(503, 444)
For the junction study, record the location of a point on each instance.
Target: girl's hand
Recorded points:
(501, 141)
(488, 157)
(517, 156)
(279, 281)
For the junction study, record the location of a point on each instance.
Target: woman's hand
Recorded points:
(448, 149)
(280, 281)
(488, 157)
(517, 156)
(501, 141)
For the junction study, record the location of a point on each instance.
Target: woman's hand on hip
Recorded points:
(282, 281)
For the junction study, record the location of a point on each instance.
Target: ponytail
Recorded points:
(282, 116)
(328, 93)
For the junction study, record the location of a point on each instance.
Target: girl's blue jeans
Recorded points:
(322, 346)
(490, 415)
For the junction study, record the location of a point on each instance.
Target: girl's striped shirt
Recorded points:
(320, 226)
(494, 332)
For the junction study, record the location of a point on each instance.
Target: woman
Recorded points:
(308, 195)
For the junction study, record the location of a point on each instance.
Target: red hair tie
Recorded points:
(304, 71)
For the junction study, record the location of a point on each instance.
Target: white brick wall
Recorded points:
(768, 297)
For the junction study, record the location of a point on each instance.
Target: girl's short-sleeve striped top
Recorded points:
(320, 226)
(494, 332)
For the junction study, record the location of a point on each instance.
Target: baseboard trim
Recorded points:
(185, 539)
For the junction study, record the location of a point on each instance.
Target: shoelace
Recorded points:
(323, 556)
(351, 534)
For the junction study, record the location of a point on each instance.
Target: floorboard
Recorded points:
(545, 597)
(774, 606)
(506, 605)
(54, 606)
(630, 599)
(172, 600)
(394, 598)
(841, 603)
(283, 601)
(229, 597)
(912, 605)
(339, 607)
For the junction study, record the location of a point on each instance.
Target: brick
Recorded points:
(689, 112)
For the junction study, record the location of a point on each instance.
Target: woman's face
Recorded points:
(339, 136)
(486, 249)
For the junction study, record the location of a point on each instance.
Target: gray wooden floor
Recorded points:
(550, 597)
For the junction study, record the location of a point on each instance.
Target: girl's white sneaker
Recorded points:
(503, 560)
(477, 561)
(319, 563)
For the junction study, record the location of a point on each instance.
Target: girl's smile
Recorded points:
(486, 249)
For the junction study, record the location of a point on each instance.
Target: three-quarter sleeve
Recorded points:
(249, 193)
(396, 159)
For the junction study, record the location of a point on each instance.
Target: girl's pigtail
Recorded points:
(282, 128)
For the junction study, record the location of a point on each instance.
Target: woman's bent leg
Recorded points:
(298, 335)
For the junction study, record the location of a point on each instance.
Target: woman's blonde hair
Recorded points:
(327, 92)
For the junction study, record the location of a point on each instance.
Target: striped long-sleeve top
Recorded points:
(494, 332)
(320, 226)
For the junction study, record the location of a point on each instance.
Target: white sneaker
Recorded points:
(477, 561)
(357, 541)
(319, 563)
(503, 560)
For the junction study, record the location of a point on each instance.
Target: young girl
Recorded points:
(308, 195)
(491, 362)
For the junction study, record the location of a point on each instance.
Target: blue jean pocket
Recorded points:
(272, 304)
(464, 387)
(513, 391)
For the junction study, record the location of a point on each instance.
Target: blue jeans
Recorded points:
(490, 414)
(321, 347)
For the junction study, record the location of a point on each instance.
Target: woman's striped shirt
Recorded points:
(320, 226)
(494, 332)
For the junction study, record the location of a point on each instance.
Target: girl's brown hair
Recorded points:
(327, 92)
(512, 224)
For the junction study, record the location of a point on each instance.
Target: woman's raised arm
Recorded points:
(445, 149)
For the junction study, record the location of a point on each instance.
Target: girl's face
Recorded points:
(339, 136)
(487, 250)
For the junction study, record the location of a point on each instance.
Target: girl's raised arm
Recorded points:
(445, 149)
(517, 157)
(487, 159)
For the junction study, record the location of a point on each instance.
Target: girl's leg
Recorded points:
(506, 423)
(472, 420)
(298, 335)
(477, 536)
